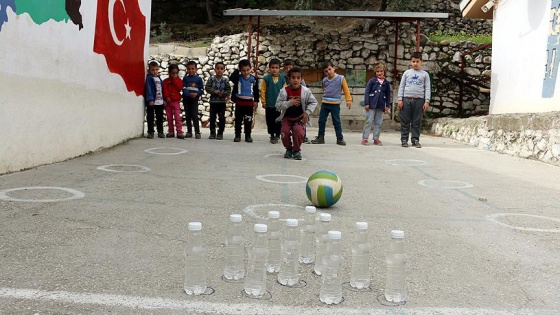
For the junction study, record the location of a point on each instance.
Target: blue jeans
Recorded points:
(334, 110)
(374, 120)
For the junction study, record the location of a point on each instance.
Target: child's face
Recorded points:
(274, 69)
(245, 71)
(329, 72)
(219, 69)
(288, 68)
(295, 80)
(191, 69)
(174, 73)
(416, 63)
(380, 73)
(154, 71)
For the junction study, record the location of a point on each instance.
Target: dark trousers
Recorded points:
(217, 110)
(243, 115)
(334, 110)
(158, 110)
(272, 125)
(411, 115)
(191, 114)
(293, 131)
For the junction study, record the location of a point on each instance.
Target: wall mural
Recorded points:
(120, 31)
(552, 53)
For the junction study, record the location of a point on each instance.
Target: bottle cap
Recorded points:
(310, 209)
(273, 214)
(195, 226)
(235, 218)
(361, 225)
(397, 234)
(292, 222)
(260, 228)
(325, 217)
(335, 235)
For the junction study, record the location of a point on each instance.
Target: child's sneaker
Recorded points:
(212, 135)
(197, 136)
(340, 141)
(306, 140)
(318, 140)
(273, 140)
(160, 135)
(237, 138)
(150, 135)
(248, 139)
(404, 144)
(220, 136)
(180, 136)
(377, 142)
(288, 155)
(416, 144)
(297, 155)
(189, 135)
(364, 142)
(170, 135)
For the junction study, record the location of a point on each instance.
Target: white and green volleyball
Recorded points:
(323, 188)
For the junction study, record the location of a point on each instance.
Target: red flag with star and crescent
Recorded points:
(120, 35)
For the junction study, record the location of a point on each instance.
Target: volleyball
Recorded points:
(323, 188)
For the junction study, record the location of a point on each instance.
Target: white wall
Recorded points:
(519, 44)
(58, 98)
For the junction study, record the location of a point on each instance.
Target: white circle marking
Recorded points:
(140, 168)
(494, 218)
(155, 151)
(251, 210)
(76, 194)
(446, 184)
(265, 179)
(405, 162)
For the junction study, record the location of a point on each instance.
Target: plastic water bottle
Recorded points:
(195, 261)
(395, 286)
(360, 275)
(235, 264)
(289, 268)
(331, 285)
(274, 242)
(321, 240)
(255, 282)
(307, 250)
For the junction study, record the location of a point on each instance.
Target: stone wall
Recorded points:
(531, 136)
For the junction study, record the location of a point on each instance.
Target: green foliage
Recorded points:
(404, 5)
(164, 35)
(453, 36)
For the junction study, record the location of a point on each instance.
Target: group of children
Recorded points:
(288, 103)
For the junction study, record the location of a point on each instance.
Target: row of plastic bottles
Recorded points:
(312, 243)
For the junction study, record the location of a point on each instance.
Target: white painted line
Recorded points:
(135, 168)
(405, 162)
(494, 218)
(76, 194)
(190, 306)
(156, 151)
(252, 210)
(446, 184)
(264, 178)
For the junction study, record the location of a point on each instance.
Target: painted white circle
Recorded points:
(405, 162)
(281, 155)
(76, 194)
(260, 212)
(162, 151)
(494, 218)
(265, 178)
(124, 168)
(446, 184)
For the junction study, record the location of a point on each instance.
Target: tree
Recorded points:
(210, 12)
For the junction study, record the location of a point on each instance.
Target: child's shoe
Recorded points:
(340, 141)
(248, 139)
(237, 138)
(170, 135)
(197, 136)
(189, 135)
(404, 144)
(377, 142)
(150, 135)
(273, 140)
(180, 136)
(318, 140)
(364, 142)
(416, 144)
(289, 154)
(297, 155)
(306, 140)
(220, 136)
(160, 135)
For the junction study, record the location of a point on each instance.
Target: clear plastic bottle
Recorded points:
(395, 286)
(255, 282)
(274, 242)
(307, 249)
(195, 261)
(360, 276)
(321, 240)
(289, 269)
(235, 264)
(331, 285)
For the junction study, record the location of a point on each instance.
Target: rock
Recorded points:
(472, 71)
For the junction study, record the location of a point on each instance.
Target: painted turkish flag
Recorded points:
(120, 34)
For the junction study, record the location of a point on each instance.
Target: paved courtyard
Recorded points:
(105, 232)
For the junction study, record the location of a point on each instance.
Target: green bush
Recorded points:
(453, 36)
(164, 35)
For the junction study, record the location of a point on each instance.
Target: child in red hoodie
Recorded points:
(172, 88)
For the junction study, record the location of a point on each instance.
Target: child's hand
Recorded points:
(151, 103)
(168, 100)
(386, 110)
(304, 118)
(426, 106)
(400, 104)
(193, 95)
(263, 105)
(255, 105)
(294, 101)
(219, 93)
(349, 104)
(366, 107)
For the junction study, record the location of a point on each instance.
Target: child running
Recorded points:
(295, 103)
(377, 100)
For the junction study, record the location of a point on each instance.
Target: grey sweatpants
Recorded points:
(411, 115)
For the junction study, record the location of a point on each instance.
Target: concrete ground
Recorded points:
(482, 229)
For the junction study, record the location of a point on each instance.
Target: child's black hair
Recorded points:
(294, 70)
(244, 63)
(191, 63)
(327, 64)
(289, 62)
(219, 63)
(416, 55)
(153, 63)
(172, 67)
(274, 61)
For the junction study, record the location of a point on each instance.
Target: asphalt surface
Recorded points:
(482, 230)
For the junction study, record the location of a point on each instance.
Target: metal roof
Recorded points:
(348, 14)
